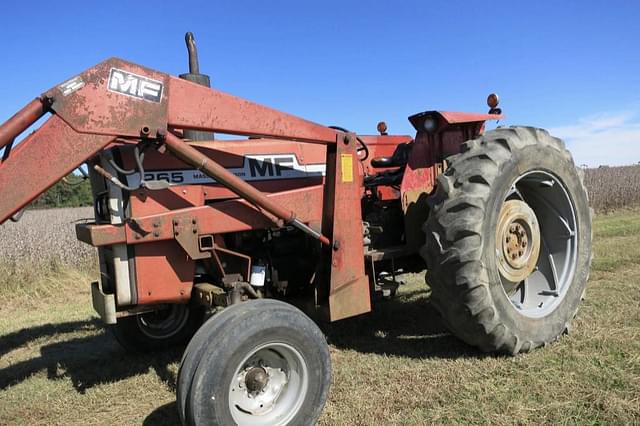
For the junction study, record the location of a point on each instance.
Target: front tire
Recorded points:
(508, 241)
(260, 362)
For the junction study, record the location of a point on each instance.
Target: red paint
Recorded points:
(93, 118)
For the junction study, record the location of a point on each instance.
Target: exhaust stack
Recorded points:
(194, 76)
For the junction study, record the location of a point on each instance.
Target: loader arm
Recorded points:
(117, 102)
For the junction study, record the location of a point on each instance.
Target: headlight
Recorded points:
(430, 124)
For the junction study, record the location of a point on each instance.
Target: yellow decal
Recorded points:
(346, 161)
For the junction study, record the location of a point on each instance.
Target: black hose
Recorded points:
(139, 157)
(364, 148)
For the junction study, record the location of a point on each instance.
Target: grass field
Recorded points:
(58, 365)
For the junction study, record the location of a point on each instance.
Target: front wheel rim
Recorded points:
(269, 386)
(547, 284)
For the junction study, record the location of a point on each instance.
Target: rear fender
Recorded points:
(427, 161)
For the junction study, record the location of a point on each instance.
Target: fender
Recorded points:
(440, 134)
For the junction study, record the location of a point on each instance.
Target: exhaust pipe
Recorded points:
(194, 76)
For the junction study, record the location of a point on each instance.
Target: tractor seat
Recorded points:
(384, 178)
(399, 157)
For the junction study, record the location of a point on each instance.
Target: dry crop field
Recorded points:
(613, 187)
(398, 365)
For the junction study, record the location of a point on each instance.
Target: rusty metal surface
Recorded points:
(348, 292)
(164, 273)
(208, 166)
(209, 295)
(120, 99)
(223, 217)
(200, 108)
(517, 240)
(185, 231)
(427, 161)
(418, 182)
(93, 105)
(40, 160)
(100, 235)
(20, 121)
(236, 184)
(468, 117)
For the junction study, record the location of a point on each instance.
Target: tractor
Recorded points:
(241, 247)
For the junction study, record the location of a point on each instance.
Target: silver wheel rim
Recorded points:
(542, 291)
(278, 394)
(165, 323)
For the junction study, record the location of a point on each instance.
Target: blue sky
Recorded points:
(569, 66)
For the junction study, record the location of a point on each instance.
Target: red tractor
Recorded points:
(297, 217)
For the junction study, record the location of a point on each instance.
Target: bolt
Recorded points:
(176, 233)
(520, 253)
(156, 224)
(346, 139)
(48, 100)
(195, 231)
(524, 243)
(156, 234)
(175, 222)
(513, 256)
(508, 238)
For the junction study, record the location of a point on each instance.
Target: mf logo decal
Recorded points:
(255, 168)
(126, 83)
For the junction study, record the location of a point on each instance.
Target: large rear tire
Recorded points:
(508, 241)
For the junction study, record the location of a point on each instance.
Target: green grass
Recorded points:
(397, 365)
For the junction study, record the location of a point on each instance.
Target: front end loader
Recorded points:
(234, 245)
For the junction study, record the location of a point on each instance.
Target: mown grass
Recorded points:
(397, 365)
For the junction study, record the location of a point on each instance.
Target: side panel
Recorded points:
(163, 271)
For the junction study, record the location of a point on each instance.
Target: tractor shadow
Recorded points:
(165, 415)
(65, 351)
(407, 325)
(87, 355)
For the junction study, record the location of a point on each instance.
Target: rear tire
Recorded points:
(260, 362)
(159, 330)
(492, 294)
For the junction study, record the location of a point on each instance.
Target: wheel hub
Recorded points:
(517, 241)
(258, 388)
(256, 380)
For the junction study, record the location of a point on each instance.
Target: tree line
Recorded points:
(77, 193)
